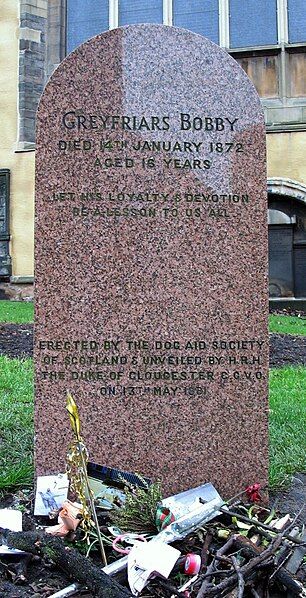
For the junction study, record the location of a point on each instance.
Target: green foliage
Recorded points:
(139, 510)
(287, 324)
(287, 423)
(18, 312)
(16, 422)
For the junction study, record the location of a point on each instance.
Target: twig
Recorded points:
(223, 559)
(68, 591)
(241, 583)
(249, 567)
(264, 526)
(205, 550)
(211, 569)
(215, 572)
(281, 561)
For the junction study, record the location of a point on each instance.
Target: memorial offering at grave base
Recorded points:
(235, 546)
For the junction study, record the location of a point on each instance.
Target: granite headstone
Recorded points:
(151, 260)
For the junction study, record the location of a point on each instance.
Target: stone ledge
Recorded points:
(286, 128)
(38, 11)
(296, 303)
(22, 279)
(293, 116)
(32, 35)
(21, 290)
(24, 146)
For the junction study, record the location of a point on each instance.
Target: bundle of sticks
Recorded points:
(257, 559)
(245, 551)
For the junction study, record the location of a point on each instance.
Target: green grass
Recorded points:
(16, 422)
(287, 324)
(287, 423)
(18, 312)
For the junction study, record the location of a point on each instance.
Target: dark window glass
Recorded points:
(253, 23)
(297, 21)
(85, 18)
(140, 11)
(5, 260)
(200, 16)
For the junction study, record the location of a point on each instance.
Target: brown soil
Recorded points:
(287, 350)
(16, 340)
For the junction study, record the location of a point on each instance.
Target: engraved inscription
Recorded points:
(194, 364)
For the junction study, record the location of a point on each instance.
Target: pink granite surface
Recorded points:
(153, 254)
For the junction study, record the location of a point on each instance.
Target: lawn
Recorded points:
(18, 312)
(287, 423)
(287, 324)
(16, 422)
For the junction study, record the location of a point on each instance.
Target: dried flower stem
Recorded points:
(93, 511)
(77, 470)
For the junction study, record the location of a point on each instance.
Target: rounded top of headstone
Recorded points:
(171, 66)
(151, 260)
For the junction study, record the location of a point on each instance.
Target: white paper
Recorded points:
(11, 519)
(148, 559)
(6, 550)
(51, 492)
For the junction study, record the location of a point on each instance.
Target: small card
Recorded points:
(51, 492)
(146, 560)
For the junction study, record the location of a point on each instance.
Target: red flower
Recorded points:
(253, 493)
